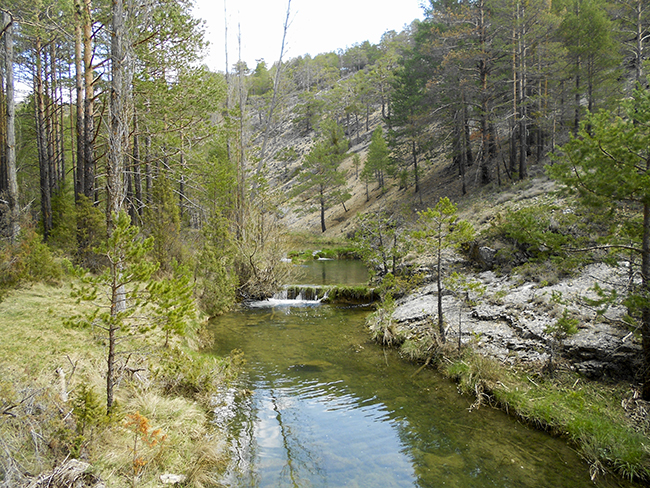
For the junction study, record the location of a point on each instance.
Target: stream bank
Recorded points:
(508, 323)
(508, 350)
(321, 404)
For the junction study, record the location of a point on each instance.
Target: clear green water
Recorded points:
(330, 272)
(329, 408)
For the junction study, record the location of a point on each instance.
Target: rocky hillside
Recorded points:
(290, 147)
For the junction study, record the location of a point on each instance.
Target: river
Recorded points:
(326, 407)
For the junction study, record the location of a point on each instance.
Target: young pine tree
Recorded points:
(378, 163)
(440, 229)
(320, 182)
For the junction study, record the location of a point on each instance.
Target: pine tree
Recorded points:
(608, 166)
(320, 180)
(378, 162)
(439, 229)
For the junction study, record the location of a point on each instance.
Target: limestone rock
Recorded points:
(509, 322)
(172, 479)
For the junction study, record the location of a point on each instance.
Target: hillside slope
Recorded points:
(438, 178)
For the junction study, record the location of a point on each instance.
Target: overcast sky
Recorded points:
(316, 26)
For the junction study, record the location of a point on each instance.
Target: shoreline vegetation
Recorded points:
(52, 407)
(605, 420)
(176, 187)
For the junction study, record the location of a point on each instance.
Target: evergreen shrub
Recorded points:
(28, 260)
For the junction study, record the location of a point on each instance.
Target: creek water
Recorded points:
(320, 405)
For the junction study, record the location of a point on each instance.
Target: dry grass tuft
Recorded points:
(52, 403)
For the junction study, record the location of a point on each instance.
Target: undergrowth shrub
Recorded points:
(195, 376)
(216, 284)
(382, 325)
(162, 216)
(399, 285)
(422, 348)
(474, 372)
(89, 412)
(535, 239)
(91, 232)
(64, 228)
(28, 260)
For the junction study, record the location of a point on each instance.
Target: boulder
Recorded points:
(172, 479)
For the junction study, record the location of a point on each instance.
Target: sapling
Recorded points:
(439, 228)
(381, 241)
(143, 437)
(559, 330)
(128, 300)
(467, 291)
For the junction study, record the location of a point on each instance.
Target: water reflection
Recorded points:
(309, 433)
(331, 272)
(329, 408)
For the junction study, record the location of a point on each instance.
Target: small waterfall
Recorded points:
(294, 296)
(304, 293)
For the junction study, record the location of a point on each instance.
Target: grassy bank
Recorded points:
(52, 399)
(605, 421)
(597, 417)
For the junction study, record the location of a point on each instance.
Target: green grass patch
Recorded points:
(307, 247)
(33, 333)
(355, 295)
(588, 413)
(351, 294)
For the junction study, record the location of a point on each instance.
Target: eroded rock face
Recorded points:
(604, 350)
(509, 321)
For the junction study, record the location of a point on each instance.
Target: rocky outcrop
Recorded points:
(508, 322)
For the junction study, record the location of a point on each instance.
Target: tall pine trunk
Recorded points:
(645, 294)
(10, 137)
(137, 172)
(485, 110)
(3, 133)
(462, 158)
(322, 209)
(42, 142)
(414, 155)
(89, 105)
(118, 111)
(79, 95)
